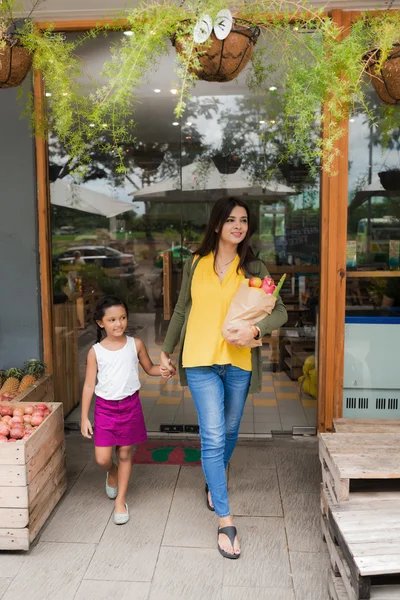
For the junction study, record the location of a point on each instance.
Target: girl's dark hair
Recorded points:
(100, 310)
(219, 215)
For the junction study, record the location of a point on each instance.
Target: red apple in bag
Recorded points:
(268, 285)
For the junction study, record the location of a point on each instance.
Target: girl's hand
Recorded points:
(165, 373)
(240, 336)
(166, 363)
(86, 429)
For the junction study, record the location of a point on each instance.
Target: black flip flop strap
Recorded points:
(230, 531)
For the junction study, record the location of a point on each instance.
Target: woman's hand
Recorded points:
(86, 428)
(166, 364)
(240, 335)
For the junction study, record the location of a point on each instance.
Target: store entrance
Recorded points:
(130, 233)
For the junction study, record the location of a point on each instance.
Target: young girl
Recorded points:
(118, 416)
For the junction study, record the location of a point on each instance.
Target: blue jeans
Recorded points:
(219, 393)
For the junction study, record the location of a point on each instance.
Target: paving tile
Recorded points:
(79, 452)
(246, 427)
(264, 561)
(265, 414)
(254, 493)
(267, 427)
(171, 393)
(298, 470)
(169, 400)
(290, 407)
(190, 523)
(4, 583)
(149, 393)
(287, 396)
(265, 401)
(253, 457)
(303, 522)
(187, 574)
(312, 415)
(309, 402)
(256, 593)
(112, 590)
(10, 563)
(51, 572)
(129, 553)
(310, 575)
(83, 514)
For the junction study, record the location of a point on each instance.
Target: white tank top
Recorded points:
(117, 371)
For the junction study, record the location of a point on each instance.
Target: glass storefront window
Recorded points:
(111, 233)
(371, 383)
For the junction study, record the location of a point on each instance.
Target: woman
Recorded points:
(220, 373)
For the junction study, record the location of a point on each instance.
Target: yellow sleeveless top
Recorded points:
(204, 344)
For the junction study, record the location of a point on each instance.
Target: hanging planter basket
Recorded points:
(387, 81)
(15, 62)
(147, 157)
(223, 60)
(227, 164)
(390, 180)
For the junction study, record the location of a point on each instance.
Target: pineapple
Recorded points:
(11, 384)
(3, 377)
(33, 369)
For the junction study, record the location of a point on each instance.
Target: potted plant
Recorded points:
(227, 164)
(390, 180)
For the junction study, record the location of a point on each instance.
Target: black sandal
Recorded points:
(231, 532)
(207, 501)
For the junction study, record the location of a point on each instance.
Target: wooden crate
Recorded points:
(354, 464)
(364, 547)
(41, 391)
(32, 480)
(366, 425)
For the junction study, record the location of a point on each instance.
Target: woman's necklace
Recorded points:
(221, 268)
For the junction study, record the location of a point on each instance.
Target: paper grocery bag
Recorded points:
(249, 306)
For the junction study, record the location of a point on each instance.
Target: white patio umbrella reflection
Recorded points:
(70, 195)
(207, 183)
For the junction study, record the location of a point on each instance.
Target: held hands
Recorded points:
(167, 368)
(86, 429)
(239, 335)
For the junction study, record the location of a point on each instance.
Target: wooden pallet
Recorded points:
(337, 591)
(32, 480)
(366, 425)
(363, 545)
(353, 463)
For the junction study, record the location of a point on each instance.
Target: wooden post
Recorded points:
(43, 199)
(334, 201)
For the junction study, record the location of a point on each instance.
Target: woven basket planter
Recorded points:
(15, 62)
(227, 164)
(223, 60)
(390, 180)
(386, 82)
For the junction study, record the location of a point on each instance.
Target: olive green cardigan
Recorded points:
(177, 327)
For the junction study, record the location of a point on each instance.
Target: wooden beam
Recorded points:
(334, 193)
(369, 274)
(43, 200)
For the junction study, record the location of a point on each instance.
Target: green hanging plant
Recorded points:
(301, 53)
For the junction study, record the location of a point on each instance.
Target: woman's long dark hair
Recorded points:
(219, 215)
(100, 311)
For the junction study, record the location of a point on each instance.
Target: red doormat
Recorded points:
(168, 453)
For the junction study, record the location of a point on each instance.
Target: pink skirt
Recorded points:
(119, 422)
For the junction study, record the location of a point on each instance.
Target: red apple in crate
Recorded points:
(6, 411)
(17, 433)
(6, 419)
(40, 406)
(4, 429)
(17, 419)
(255, 282)
(27, 418)
(37, 419)
(3, 438)
(12, 440)
(29, 409)
(18, 411)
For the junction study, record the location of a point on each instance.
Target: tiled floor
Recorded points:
(167, 551)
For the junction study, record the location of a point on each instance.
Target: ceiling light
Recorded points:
(272, 121)
(173, 91)
(262, 122)
(352, 120)
(296, 28)
(65, 93)
(47, 94)
(188, 137)
(157, 91)
(189, 123)
(128, 33)
(92, 125)
(272, 88)
(175, 123)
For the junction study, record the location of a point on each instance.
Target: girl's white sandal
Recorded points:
(121, 518)
(112, 492)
